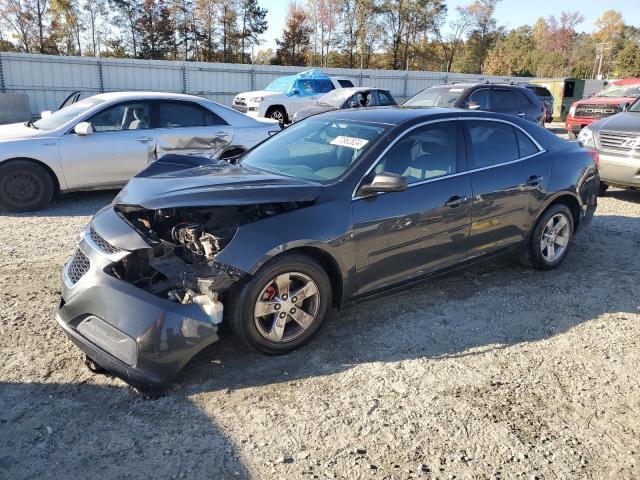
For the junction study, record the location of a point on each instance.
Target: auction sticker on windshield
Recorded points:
(351, 142)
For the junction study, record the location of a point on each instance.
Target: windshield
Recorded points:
(337, 97)
(635, 107)
(59, 118)
(632, 91)
(282, 84)
(316, 149)
(435, 97)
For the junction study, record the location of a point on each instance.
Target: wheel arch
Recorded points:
(566, 198)
(47, 168)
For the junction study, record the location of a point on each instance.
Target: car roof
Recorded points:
(146, 95)
(395, 115)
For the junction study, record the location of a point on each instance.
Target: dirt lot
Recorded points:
(502, 373)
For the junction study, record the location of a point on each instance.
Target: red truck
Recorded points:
(612, 99)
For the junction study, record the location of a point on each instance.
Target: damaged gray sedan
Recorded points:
(338, 207)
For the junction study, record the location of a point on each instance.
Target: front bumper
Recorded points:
(575, 124)
(137, 336)
(619, 170)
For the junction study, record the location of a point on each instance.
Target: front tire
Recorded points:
(283, 306)
(25, 186)
(551, 237)
(279, 114)
(603, 189)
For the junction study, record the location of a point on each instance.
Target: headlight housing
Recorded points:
(587, 138)
(572, 110)
(256, 99)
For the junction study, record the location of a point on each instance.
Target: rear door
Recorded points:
(186, 127)
(510, 174)
(121, 145)
(404, 235)
(504, 100)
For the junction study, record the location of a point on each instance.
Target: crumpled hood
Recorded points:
(193, 181)
(17, 131)
(312, 110)
(626, 121)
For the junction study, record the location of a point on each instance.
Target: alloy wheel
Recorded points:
(286, 307)
(555, 237)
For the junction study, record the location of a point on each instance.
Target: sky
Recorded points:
(510, 13)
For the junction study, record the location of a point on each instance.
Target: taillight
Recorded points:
(595, 156)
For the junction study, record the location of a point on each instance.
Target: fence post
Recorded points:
(252, 79)
(405, 86)
(2, 87)
(100, 77)
(360, 77)
(184, 78)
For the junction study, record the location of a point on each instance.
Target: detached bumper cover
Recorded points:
(137, 336)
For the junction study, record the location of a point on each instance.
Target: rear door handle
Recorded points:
(143, 139)
(455, 201)
(534, 180)
(522, 114)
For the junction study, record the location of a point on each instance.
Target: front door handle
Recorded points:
(143, 139)
(455, 201)
(522, 114)
(534, 181)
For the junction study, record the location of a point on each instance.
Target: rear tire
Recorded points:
(551, 237)
(25, 186)
(289, 321)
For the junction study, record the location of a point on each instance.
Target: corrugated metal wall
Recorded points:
(48, 80)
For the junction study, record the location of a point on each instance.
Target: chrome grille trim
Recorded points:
(620, 142)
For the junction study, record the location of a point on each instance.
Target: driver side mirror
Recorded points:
(384, 182)
(473, 106)
(45, 114)
(83, 128)
(295, 91)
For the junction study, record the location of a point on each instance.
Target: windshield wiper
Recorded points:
(30, 124)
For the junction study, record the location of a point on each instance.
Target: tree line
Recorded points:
(381, 34)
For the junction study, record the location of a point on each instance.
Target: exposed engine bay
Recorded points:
(180, 264)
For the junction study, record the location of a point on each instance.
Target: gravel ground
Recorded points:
(504, 372)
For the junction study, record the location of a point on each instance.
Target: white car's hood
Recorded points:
(17, 131)
(259, 93)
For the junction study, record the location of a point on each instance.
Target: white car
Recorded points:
(283, 97)
(104, 140)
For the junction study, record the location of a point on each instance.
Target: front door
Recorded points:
(121, 145)
(404, 235)
(509, 175)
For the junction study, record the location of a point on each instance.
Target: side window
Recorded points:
(183, 114)
(324, 85)
(479, 97)
(525, 145)
(124, 116)
(523, 99)
(425, 153)
(503, 100)
(385, 99)
(346, 83)
(305, 87)
(492, 143)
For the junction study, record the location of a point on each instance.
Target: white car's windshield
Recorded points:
(59, 118)
(337, 97)
(629, 91)
(282, 84)
(316, 149)
(435, 97)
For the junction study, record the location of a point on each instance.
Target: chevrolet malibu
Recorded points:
(337, 208)
(104, 140)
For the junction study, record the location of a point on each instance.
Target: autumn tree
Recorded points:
(253, 20)
(128, 14)
(296, 37)
(156, 29)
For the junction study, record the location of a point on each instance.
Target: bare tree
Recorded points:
(451, 39)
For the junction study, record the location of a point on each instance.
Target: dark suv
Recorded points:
(492, 97)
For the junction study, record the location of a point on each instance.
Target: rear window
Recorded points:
(503, 100)
(445, 96)
(182, 114)
(492, 143)
(345, 83)
(543, 92)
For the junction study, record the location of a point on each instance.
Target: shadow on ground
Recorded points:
(71, 204)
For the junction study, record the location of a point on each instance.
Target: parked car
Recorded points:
(505, 98)
(544, 95)
(104, 140)
(356, 97)
(283, 97)
(611, 100)
(617, 140)
(337, 208)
